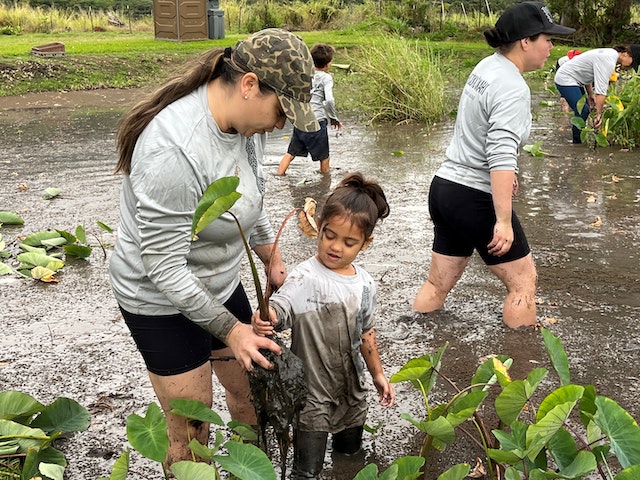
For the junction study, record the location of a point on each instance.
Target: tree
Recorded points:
(597, 23)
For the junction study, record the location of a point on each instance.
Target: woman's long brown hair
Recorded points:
(208, 67)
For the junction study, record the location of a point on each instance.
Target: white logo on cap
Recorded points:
(547, 13)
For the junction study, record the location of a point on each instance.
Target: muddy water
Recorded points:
(580, 210)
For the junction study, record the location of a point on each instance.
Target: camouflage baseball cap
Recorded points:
(282, 61)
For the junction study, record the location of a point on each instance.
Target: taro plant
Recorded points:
(28, 430)
(620, 118)
(42, 252)
(148, 436)
(571, 434)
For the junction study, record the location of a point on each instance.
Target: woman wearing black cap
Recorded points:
(470, 198)
(182, 299)
(590, 72)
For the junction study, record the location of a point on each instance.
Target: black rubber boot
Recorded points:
(308, 454)
(348, 441)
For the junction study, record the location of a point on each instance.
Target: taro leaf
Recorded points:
(245, 430)
(80, 251)
(148, 435)
(35, 239)
(630, 473)
(195, 409)
(186, 470)
(63, 415)
(554, 410)
(485, 373)
(219, 197)
(514, 396)
(457, 472)
(50, 193)
(69, 237)
(582, 465)
(557, 355)
(105, 227)
(54, 242)
(52, 470)
(562, 447)
(504, 456)
(511, 474)
(420, 371)
(29, 248)
(10, 218)
(370, 472)
(81, 235)
(32, 259)
(28, 438)
(202, 451)
(246, 461)
(36, 458)
(578, 122)
(43, 274)
(621, 429)
(408, 467)
(465, 406)
(5, 269)
(440, 429)
(120, 468)
(18, 406)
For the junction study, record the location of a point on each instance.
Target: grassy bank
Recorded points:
(121, 59)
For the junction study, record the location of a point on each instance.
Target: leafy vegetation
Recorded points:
(42, 252)
(620, 118)
(28, 430)
(570, 434)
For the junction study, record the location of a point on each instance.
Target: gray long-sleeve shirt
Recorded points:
(493, 122)
(593, 66)
(156, 269)
(322, 100)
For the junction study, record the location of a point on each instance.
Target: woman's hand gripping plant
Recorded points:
(279, 394)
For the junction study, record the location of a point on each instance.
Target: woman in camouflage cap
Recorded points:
(183, 300)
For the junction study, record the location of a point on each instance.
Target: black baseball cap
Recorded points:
(527, 19)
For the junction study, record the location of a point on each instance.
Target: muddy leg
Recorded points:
(444, 272)
(520, 278)
(236, 384)
(193, 385)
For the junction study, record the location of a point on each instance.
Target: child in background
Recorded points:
(324, 106)
(329, 304)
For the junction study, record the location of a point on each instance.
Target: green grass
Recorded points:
(119, 59)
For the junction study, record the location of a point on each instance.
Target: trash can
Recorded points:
(216, 20)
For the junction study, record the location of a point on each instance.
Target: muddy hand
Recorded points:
(246, 345)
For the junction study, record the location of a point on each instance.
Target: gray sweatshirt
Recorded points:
(156, 269)
(322, 100)
(593, 66)
(493, 122)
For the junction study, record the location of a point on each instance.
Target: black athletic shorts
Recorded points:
(173, 344)
(314, 143)
(464, 219)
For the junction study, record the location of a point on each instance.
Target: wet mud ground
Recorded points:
(67, 339)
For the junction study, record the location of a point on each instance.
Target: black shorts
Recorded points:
(463, 219)
(314, 143)
(173, 344)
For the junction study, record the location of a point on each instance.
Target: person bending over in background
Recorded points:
(590, 73)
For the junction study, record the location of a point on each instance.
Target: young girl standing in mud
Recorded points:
(329, 304)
